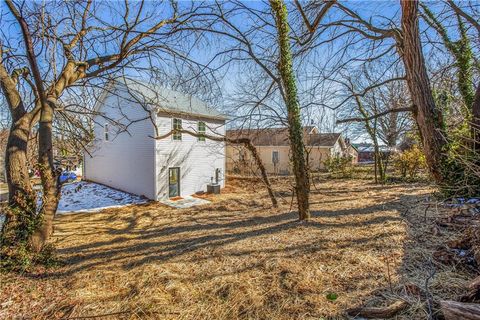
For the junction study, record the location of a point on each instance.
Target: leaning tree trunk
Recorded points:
(21, 199)
(258, 161)
(49, 181)
(427, 116)
(16, 165)
(20, 214)
(302, 183)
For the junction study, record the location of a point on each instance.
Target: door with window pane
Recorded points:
(173, 182)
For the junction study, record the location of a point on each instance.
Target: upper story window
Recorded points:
(177, 125)
(202, 129)
(106, 132)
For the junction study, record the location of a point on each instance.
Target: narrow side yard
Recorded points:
(237, 258)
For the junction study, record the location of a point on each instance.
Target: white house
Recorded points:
(129, 153)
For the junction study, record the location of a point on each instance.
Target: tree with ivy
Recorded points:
(295, 130)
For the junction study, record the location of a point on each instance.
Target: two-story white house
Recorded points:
(128, 152)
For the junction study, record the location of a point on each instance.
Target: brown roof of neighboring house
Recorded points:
(323, 139)
(279, 136)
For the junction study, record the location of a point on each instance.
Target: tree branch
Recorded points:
(466, 16)
(378, 115)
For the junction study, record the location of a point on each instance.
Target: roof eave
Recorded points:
(191, 114)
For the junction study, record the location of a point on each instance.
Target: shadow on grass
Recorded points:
(133, 246)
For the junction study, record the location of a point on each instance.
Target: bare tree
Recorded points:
(429, 118)
(295, 130)
(269, 96)
(63, 45)
(381, 36)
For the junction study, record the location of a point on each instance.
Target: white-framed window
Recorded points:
(106, 132)
(202, 129)
(275, 157)
(177, 125)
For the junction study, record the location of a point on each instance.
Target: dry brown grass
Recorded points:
(237, 258)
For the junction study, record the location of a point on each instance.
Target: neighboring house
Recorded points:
(274, 149)
(125, 154)
(352, 151)
(366, 152)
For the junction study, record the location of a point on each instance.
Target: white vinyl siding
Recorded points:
(126, 161)
(197, 160)
(133, 161)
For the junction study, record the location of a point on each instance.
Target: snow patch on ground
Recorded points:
(82, 196)
(85, 196)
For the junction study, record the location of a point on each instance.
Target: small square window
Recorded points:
(177, 125)
(202, 129)
(106, 132)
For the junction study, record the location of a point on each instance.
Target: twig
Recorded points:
(388, 272)
(429, 299)
(291, 201)
(99, 315)
(116, 313)
(425, 213)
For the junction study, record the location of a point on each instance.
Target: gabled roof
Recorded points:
(279, 137)
(161, 99)
(323, 139)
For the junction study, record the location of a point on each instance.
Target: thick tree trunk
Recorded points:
(46, 103)
(21, 211)
(49, 181)
(21, 198)
(295, 130)
(16, 161)
(427, 116)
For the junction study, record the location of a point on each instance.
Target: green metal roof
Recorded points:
(169, 101)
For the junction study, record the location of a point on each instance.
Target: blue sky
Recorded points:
(234, 77)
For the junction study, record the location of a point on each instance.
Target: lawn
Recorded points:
(237, 258)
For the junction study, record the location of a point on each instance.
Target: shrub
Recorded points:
(339, 165)
(410, 162)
